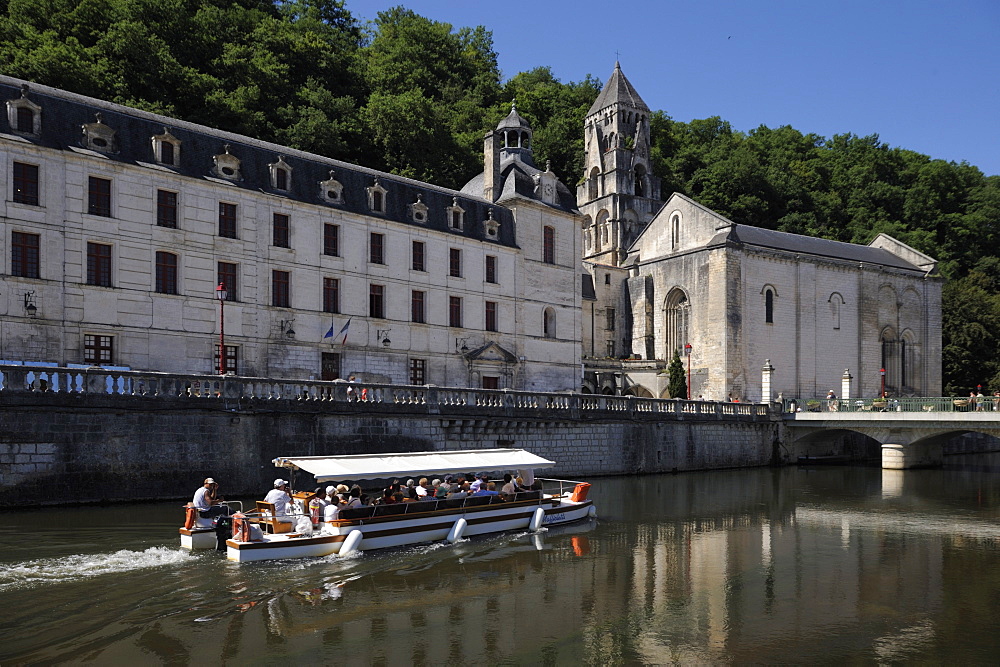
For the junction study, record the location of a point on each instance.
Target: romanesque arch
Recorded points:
(677, 314)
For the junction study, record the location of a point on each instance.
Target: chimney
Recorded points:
(491, 160)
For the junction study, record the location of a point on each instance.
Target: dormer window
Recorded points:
(491, 226)
(99, 137)
(227, 165)
(331, 191)
(166, 148)
(418, 210)
(281, 175)
(456, 215)
(376, 197)
(23, 115)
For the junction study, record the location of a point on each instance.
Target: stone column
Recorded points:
(845, 384)
(765, 381)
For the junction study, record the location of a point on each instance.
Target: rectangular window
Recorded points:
(455, 262)
(98, 350)
(454, 311)
(331, 240)
(166, 273)
(280, 180)
(611, 348)
(418, 256)
(99, 264)
(418, 371)
(166, 209)
(229, 278)
(491, 382)
(280, 289)
(377, 248)
(25, 120)
(230, 363)
(227, 220)
(376, 301)
(99, 197)
(491, 268)
(25, 261)
(331, 295)
(491, 315)
(330, 369)
(549, 245)
(611, 319)
(280, 230)
(417, 307)
(26, 183)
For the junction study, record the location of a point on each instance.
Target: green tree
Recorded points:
(677, 386)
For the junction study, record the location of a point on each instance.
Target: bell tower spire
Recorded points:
(619, 193)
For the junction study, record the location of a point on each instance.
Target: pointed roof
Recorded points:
(513, 119)
(618, 90)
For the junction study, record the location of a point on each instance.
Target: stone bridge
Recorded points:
(908, 439)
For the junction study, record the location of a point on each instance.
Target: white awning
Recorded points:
(412, 464)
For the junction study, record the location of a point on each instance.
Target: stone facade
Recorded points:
(116, 226)
(659, 276)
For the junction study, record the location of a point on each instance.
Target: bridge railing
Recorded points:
(901, 404)
(112, 382)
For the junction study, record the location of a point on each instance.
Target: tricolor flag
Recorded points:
(342, 332)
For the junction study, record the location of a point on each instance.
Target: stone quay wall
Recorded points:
(75, 436)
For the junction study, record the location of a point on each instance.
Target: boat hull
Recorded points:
(401, 530)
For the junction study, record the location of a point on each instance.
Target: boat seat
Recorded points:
(267, 517)
(527, 495)
(357, 512)
(476, 501)
(421, 506)
(496, 500)
(389, 510)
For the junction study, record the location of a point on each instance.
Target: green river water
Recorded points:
(824, 565)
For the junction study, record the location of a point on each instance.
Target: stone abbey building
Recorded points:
(118, 226)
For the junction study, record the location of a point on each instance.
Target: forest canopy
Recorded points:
(413, 96)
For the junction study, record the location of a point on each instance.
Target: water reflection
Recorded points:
(791, 565)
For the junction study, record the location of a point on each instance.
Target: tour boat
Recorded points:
(550, 502)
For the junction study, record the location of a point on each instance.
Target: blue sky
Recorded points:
(922, 75)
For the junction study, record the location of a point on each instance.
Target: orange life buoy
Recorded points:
(241, 527)
(189, 515)
(580, 492)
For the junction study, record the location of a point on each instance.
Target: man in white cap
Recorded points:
(206, 503)
(279, 496)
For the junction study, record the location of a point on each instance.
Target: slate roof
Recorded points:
(618, 89)
(63, 113)
(516, 178)
(809, 245)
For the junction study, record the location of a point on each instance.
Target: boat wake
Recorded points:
(69, 568)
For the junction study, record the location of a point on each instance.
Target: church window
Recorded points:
(678, 313)
(836, 301)
(769, 306)
(611, 319)
(889, 358)
(549, 323)
(675, 231)
(640, 181)
(593, 183)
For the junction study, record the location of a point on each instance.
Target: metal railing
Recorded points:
(901, 404)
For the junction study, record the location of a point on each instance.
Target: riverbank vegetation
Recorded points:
(414, 96)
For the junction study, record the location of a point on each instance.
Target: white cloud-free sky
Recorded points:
(921, 74)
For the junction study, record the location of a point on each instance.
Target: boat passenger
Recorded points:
(331, 495)
(440, 491)
(480, 481)
(279, 496)
(355, 498)
(410, 492)
(422, 489)
(207, 502)
(458, 493)
(509, 488)
(488, 489)
(332, 511)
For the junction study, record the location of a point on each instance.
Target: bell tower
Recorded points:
(619, 194)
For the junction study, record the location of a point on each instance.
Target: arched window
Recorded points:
(675, 230)
(769, 306)
(677, 315)
(549, 323)
(640, 181)
(890, 358)
(548, 245)
(836, 301)
(593, 183)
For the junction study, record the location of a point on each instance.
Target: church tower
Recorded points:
(619, 194)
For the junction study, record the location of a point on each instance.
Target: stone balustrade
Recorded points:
(364, 397)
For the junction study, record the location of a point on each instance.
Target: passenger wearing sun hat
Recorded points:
(206, 503)
(279, 496)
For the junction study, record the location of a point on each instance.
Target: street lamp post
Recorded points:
(687, 351)
(881, 372)
(221, 294)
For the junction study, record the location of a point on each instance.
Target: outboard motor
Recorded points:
(223, 531)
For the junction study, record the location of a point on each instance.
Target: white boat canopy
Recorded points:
(412, 464)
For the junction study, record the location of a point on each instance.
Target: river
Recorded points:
(793, 565)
